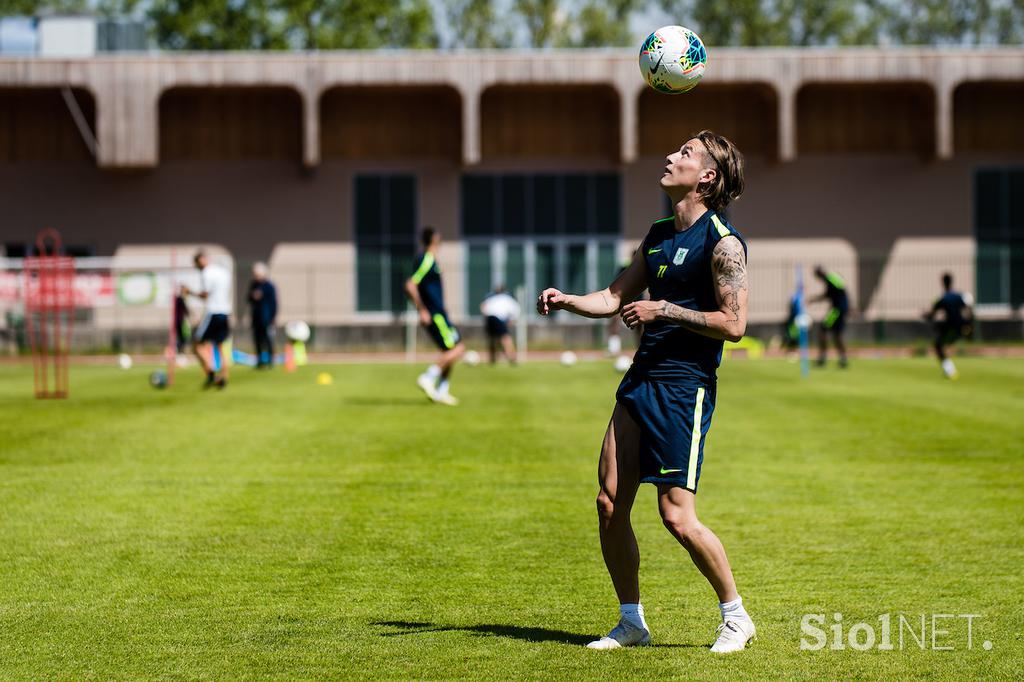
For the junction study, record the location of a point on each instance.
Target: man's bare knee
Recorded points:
(684, 527)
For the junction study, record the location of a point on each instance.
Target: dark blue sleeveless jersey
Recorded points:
(835, 289)
(952, 304)
(427, 278)
(679, 271)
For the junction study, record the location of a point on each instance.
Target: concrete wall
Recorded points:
(250, 206)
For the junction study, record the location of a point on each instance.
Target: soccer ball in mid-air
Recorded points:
(672, 59)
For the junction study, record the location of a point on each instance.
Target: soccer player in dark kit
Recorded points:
(835, 319)
(954, 321)
(694, 264)
(425, 292)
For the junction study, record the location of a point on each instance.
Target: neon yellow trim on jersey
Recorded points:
(661, 271)
(698, 413)
(723, 231)
(661, 220)
(669, 471)
(447, 335)
(653, 251)
(835, 280)
(428, 262)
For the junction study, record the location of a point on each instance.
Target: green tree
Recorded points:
(605, 24)
(296, 24)
(476, 24)
(953, 22)
(358, 24)
(29, 8)
(214, 25)
(852, 22)
(543, 19)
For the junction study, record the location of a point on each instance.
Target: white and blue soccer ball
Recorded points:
(472, 358)
(673, 59)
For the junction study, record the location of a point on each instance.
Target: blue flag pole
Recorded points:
(803, 323)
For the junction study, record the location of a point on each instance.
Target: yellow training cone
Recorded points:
(324, 379)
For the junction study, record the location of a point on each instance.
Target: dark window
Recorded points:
(478, 215)
(607, 204)
(545, 205)
(385, 214)
(514, 205)
(577, 204)
(400, 209)
(999, 231)
(541, 204)
(539, 229)
(988, 205)
(369, 208)
(479, 273)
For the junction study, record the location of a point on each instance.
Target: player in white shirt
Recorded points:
(498, 310)
(213, 331)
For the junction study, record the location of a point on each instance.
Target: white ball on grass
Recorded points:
(568, 358)
(124, 361)
(472, 358)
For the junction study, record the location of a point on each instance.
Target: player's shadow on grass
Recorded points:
(526, 634)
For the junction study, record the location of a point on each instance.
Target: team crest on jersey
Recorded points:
(680, 256)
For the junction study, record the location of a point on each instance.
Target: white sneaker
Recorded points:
(623, 634)
(446, 399)
(733, 635)
(427, 384)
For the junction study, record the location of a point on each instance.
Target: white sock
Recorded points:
(948, 367)
(443, 386)
(433, 372)
(734, 609)
(633, 614)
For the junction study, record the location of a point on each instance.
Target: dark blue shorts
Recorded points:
(496, 327)
(674, 420)
(213, 329)
(949, 333)
(442, 332)
(835, 320)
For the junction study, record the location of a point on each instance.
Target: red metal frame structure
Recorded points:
(49, 312)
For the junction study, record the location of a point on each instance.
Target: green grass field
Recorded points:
(287, 530)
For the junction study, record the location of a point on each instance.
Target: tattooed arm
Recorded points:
(729, 322)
